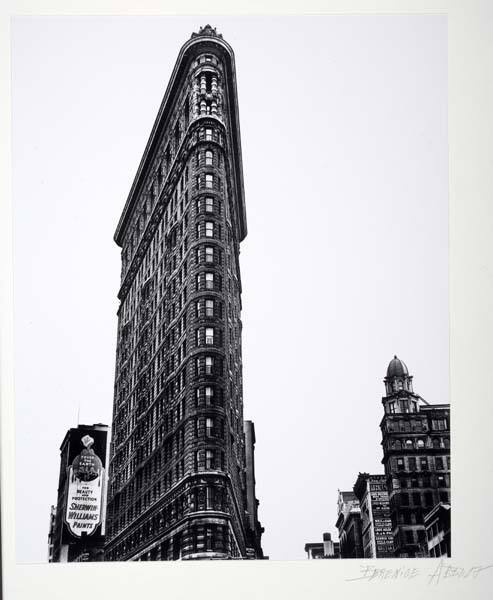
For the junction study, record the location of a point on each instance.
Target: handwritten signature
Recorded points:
(440, 572)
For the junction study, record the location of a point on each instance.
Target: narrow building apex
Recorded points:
(207, 31)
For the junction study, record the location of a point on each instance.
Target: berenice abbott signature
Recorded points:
(440, 572)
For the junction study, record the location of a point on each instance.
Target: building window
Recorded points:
(439, 463)
(209, 459)
(400, 464)
(209, 496)
(428, 499)
(209, 254)
(417, 499)
(209, 334)
(208, 157)
(209, 229)
(208, 135)
(412, 464)
(209, 394)
(209, 362)
(209, 427)
(409, 537)
(209, 281)
(423, 463)
(209, 180)
(409, 443)
(209, 204)
(421, 444)
(209, 310)
(404, 499)
(441, 481)
(392, 407)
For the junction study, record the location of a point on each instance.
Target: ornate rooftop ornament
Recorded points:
(207, 31)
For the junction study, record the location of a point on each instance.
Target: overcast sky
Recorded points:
(344, 137)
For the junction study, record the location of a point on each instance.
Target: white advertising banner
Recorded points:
(84, 491)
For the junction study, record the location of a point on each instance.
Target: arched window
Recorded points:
(409, 443)
(421, 444)
(436, 443)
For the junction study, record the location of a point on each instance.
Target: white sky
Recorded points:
(344, 137)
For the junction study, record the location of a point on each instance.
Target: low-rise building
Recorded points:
(349, 525)
(77, 527)
(325, 549)
(437, 526)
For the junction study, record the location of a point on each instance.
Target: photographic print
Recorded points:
(231, 288)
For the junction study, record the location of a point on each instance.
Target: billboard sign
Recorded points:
(85, 481)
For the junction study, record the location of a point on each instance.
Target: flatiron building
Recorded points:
(180, 486)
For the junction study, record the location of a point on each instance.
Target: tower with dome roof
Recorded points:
(416, 459)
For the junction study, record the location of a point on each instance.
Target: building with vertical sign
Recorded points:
(77, 526)
(180, 486)
(416, 458)
(376, 528)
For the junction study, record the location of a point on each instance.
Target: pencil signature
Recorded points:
(441, 571)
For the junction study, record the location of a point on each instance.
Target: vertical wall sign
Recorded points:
(84, 491)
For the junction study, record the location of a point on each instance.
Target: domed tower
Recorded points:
(399, 387)
(416, 458)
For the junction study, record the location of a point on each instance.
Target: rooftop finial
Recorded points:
(207, 31)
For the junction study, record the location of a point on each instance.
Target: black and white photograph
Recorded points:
(230, 244)
(246, 290)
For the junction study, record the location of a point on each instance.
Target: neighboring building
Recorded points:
(51, 533)
(254, 528)
(325, 549)
(349, 525)
(314, 550)
(437, 525)
(416, 448)
(376, 529)
(77, 527)
(178, 475)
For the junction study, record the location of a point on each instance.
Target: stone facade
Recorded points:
(437, 525)
(416, 448)
(178, 486)
(349, 525)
